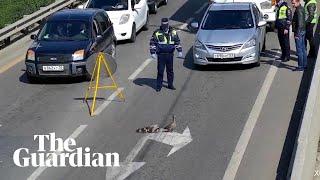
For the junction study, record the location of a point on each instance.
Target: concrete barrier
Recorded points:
(307, 142)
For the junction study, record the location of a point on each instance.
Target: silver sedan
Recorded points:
(230, 33)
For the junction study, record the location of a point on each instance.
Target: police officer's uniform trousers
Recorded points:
(283, 22)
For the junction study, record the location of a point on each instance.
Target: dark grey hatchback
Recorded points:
(68, 43)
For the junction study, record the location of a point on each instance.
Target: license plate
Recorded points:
(52, 68)
(223, 56)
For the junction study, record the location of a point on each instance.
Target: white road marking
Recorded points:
(127, 167)
(108, 101)
(245, 136)
(140, 68)
(40, 170)
(201, 8)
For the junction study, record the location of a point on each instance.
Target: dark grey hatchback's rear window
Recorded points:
(228, 19)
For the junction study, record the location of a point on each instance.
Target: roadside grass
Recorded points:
(11, 11)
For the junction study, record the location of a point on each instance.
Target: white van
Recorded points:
(267, 7)
(127, 16)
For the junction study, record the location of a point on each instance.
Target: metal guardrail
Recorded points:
(28, 20)
(307, 142)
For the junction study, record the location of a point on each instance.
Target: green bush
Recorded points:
(11, 11)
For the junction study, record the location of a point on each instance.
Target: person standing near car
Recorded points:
(283, 22)
(299, 30)
(162, 46)
(310, 9)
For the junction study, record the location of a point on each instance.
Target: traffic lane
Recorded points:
(138, 52)
(281, 115)
(31, 116)
(215, 106)
(115, 126)
(200, 102)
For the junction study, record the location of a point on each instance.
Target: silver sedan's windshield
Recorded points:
(228, 19)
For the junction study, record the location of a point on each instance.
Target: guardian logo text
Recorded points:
(62, 153)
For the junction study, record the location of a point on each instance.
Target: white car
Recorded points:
(127, 16)
(267, 7)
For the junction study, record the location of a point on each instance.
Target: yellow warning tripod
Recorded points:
(101, 61)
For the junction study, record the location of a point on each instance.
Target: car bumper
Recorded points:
(123, 31)
(245, 56)
(72, 69)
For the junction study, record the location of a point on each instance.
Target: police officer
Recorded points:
(310, 9)
(283, 22)
(162, 45)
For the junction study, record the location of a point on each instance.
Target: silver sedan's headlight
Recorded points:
(250, 43)
(199, 45)
(266, 4)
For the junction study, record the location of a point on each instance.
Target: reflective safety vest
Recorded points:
(162, 38)
(282, 12)
(314, 20)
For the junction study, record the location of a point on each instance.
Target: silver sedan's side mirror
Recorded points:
(81, 6)
(195, 25)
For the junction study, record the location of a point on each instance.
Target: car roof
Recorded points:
(230, 6)
(74, 14)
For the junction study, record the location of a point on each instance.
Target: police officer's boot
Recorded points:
(171, 87)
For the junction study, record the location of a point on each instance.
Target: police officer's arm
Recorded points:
(153, 44)
(289, 18)
(176, 40)
(311, 11)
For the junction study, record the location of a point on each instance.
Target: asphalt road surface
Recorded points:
(238, 116)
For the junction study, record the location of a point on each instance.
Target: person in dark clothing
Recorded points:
(283, 22)
(162, 45)
(299, 30)
(310, 9)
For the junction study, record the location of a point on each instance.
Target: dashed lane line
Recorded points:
(140, 68)
(108, 101)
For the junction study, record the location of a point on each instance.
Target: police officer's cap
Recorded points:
(164, 21)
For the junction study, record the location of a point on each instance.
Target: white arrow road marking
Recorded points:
(127, 167)
(174, 139)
